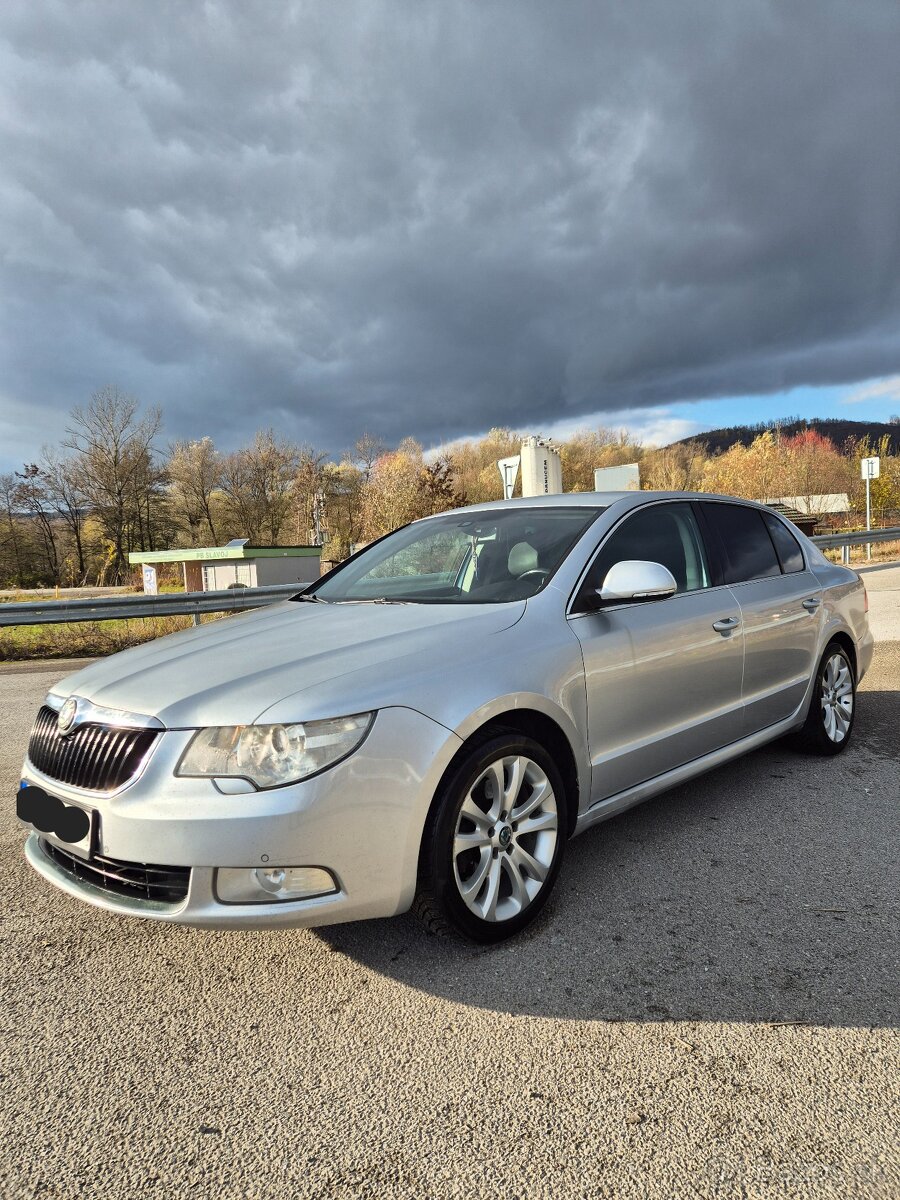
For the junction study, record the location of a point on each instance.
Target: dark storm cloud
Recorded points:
(430, 218)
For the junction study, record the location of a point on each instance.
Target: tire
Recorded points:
(493, 887)
(832, 706)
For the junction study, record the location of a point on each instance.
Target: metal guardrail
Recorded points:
(169, 604)
(117, 608)
(835, 541)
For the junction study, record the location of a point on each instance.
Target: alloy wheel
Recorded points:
(505, 838)
(836, 698)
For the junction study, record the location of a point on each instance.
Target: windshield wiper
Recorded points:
(310, 599)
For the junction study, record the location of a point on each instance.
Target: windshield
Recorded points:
(482, 557)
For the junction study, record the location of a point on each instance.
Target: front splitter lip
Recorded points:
(200, 907)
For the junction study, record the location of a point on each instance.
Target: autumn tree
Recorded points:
(676, 468)
(755, 472)
(344, 486)
(194, 472)
(885, 489)
(813, 468)
(390, 498)
(588, 449)
(475, 470)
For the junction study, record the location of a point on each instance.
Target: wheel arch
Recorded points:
(534, 723)
(846, 642)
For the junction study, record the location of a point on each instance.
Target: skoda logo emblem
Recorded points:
(67, 714)
(505, 836)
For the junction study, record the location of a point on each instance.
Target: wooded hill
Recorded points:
(836, 429)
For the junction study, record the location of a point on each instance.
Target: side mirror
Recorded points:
(635, 579)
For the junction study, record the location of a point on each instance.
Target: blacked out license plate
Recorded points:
(67, 825)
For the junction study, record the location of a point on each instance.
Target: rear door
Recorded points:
(781, 604)
(663, 677)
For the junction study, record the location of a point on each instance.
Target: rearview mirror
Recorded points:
(635, 579)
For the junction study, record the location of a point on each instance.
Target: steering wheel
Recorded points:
(542, 571)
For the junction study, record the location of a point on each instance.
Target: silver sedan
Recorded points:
(431, 722)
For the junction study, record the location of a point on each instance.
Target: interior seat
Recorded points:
(522, 557)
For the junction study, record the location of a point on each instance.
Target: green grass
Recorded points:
(86, 639)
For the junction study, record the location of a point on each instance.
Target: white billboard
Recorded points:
(626, 478)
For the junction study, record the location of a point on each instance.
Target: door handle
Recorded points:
(811, 604)
(726, 624)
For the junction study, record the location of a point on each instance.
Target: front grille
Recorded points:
(99, 758)
(142, 881)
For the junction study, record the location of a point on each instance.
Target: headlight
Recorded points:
(273, 755)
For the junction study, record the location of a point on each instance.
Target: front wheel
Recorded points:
(832, 707)
(494, 842)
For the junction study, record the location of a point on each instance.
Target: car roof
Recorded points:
(597, 500)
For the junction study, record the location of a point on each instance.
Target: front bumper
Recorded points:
(362, 820)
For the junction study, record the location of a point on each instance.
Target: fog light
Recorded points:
(263, 885)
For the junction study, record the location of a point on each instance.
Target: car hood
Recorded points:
(336, 658)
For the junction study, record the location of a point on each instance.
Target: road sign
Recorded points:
(150, 585)
(870, 468)
(509, 469)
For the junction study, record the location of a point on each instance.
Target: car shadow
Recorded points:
(764, 891)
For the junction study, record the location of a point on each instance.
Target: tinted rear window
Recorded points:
(788, 548)
(749, 553)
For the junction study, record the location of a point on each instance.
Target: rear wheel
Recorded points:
(494, 843)
(832, 707)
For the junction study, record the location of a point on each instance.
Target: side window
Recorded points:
(749, 552)
(663, 533)
(786, 545)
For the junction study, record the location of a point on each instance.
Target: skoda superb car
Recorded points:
(431, 722)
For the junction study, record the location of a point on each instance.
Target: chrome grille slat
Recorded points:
(95, 757)
(109, 756)
(92, 773)
(146, 881)
(78, 752)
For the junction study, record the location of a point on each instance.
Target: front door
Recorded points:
(663, 683)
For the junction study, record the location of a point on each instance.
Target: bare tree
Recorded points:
(309, 482)
(114, 457)
(64, 489)
(31, 496)
(11, 538)
(258, 486)
(365, 453)
(437, 488)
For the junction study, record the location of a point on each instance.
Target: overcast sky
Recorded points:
(430, 218)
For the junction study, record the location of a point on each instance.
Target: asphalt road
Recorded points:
(707, 1008)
